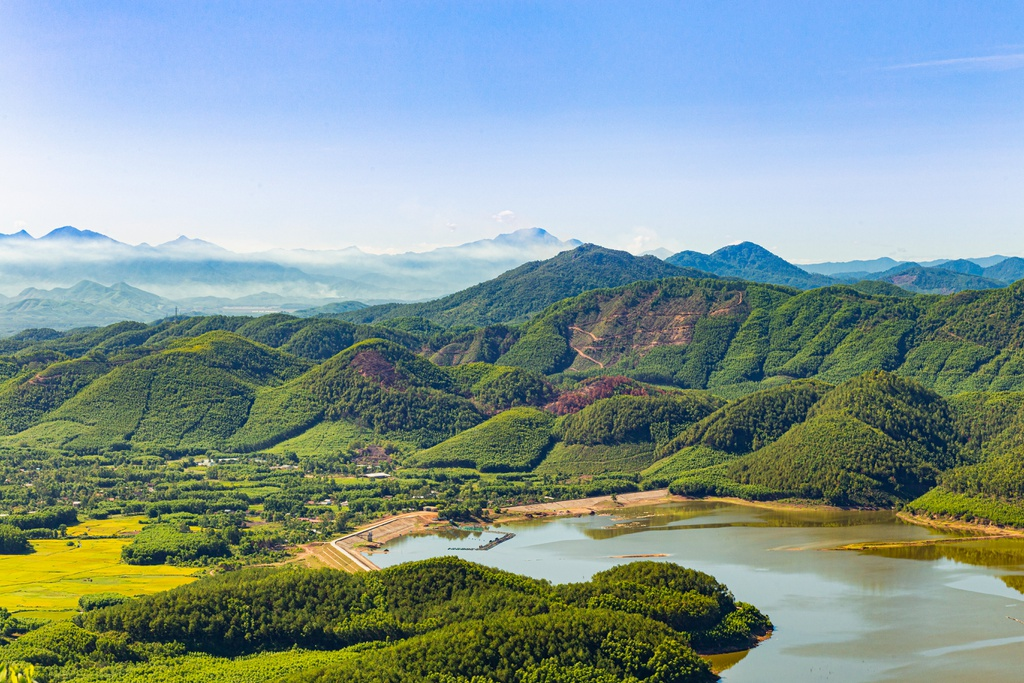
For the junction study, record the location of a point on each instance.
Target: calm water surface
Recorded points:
(937, 613)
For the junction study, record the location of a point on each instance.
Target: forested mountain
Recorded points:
(749, 261)
(718, 385)
(734, 336)
(530, 288)
(84, 304)
(846, 270)
(236, 438)
(1007, 270)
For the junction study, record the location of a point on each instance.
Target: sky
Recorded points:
(820, 130)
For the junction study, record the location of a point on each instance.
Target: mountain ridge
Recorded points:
(750, 261)
(529, 288)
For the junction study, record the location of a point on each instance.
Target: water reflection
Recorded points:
(1014, 581)
(718, 514)
(1002, 553)
(720, 663)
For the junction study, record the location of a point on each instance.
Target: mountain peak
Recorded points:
(745, 251)
(185, 242)
(68, 233)
(528, 238)
(660, 252)
(20, 235)
(185, 239)
(750, 261)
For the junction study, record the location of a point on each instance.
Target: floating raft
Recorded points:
(490, 544)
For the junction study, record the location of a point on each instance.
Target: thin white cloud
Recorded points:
(505, 217)
(983, 63)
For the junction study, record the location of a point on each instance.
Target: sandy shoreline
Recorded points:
(595, 505)
(982, 530)
(603, 505)
(346, 553)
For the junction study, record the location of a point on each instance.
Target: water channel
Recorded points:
(934, 613)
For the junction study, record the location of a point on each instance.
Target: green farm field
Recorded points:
(49, 582)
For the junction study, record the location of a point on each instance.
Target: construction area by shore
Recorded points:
(346, 553)
(596, 505)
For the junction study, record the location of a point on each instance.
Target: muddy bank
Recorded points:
(602, 505)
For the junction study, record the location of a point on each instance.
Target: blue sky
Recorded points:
(822, 130)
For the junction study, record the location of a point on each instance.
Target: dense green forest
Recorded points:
(447, 618)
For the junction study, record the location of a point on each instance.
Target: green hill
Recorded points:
(838, 459)
(622, 433)
(387, 389)
(1007, 270)
(831, 388)
(221, 389)
(753, 421)
(636, 419)
(381, 387)
(515, 440)
(874, 440)
(530, 288)
(991, 490)
(195, 393)
(25, 398)
(442, 619)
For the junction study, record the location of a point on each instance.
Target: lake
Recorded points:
(935, 613)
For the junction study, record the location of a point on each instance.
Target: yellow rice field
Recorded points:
(48, 582)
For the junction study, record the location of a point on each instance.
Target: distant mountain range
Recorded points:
(90, 304)
(749, 261)
(189, 268)
(75, 278)
(846, 270)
